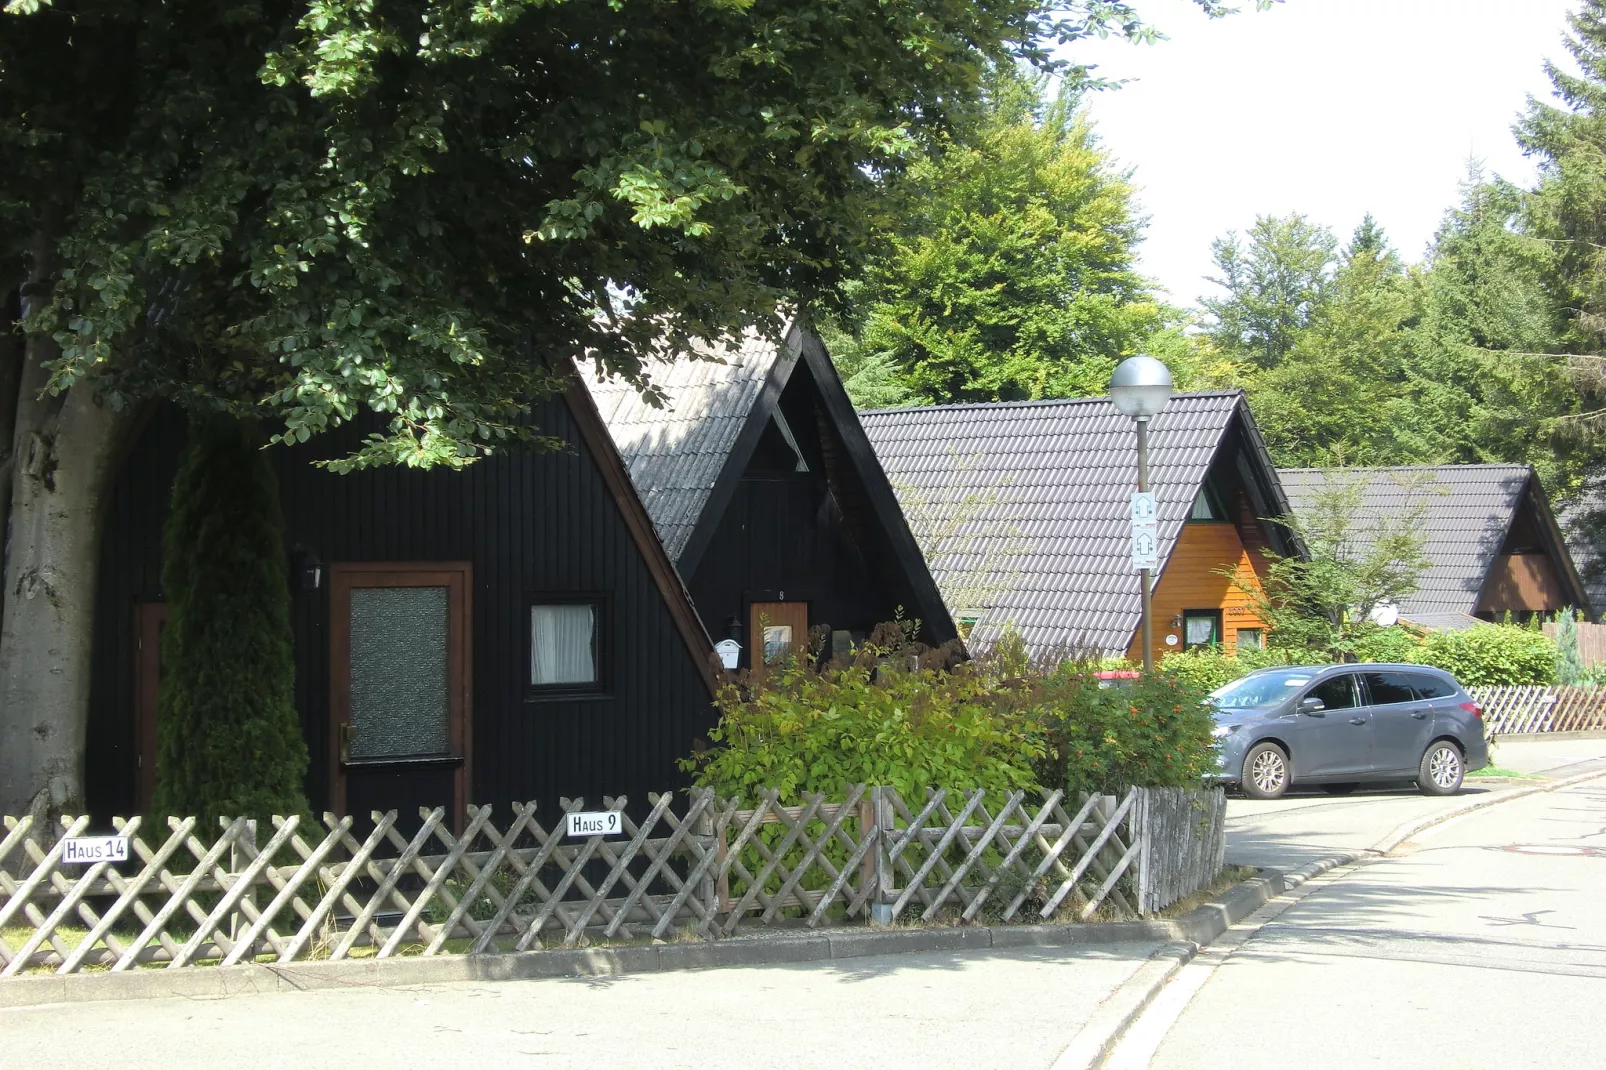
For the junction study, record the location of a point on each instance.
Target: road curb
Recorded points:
(771, 949)
(1098, 1038)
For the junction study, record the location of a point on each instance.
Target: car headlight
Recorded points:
(1221, 731)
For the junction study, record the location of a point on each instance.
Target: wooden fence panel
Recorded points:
(1518, 710)
(698, 865)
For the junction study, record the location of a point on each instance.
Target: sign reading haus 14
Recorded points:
(79, 850)
(596, 823)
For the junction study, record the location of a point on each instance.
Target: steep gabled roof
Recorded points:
(687, 457)
(675, 454)
(1468, 509)
(1048, 485)
(659, 564)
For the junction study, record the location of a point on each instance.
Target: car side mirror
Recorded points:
(1311, 704)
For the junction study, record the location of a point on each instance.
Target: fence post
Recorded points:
(241, 851)
(1138, 824)
(882, 898)
(708, 884)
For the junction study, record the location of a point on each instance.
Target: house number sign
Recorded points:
(596, 823)
(81, 850)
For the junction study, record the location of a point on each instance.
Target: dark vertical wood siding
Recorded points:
(531, 523)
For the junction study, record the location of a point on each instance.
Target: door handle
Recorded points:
(1357, 720)
(1419, 715)
(347, 734)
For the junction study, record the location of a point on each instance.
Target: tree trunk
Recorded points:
(65, 449)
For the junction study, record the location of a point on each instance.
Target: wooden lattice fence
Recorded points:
(694, 866)
(1519, 710)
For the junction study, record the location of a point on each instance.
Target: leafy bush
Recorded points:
(1155, 733)
(802, 728)
(1204, 669)
(1491, 654)
(998, 723)
(1385, 644)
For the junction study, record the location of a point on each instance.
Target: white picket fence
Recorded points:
(1516, 710)
(704, 868)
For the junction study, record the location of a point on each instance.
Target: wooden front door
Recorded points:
(149, 620)
(774, 628)
(400, 678)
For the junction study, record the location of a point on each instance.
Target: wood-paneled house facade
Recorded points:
(1492, 543)
(511, 632)
(769, 498)
(1024, 509)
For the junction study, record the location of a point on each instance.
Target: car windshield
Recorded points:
(1260, 690)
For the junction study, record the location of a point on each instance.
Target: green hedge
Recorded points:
(1482, 655)
(1492, 654)
(996, 723)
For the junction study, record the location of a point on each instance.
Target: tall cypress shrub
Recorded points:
(229, 741)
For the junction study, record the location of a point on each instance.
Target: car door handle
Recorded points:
(1357, 720)
(1419, 715)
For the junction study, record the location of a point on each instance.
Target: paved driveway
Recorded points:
(1302, 826)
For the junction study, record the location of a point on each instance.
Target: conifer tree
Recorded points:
(228, 739)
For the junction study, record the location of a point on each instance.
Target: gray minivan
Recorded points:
(1338, 726)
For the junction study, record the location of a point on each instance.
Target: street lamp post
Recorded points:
(1140, 388)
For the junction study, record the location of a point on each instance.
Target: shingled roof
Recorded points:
(1039, 492)
(1467, 511)
(675, 454)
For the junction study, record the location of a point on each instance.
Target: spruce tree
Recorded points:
(229, 740)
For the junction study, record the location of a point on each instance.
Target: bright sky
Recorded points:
(1331, 108)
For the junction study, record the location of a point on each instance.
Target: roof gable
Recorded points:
(676, 454)
(687, 457)
(1039, 492)
(1468, 511)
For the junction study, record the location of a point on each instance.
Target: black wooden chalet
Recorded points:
(511, 632)
(767, 495)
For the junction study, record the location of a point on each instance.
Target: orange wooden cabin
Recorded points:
(1030, 504)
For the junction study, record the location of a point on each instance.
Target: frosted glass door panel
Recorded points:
(399, 675)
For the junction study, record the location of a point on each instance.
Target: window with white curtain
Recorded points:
(563, 645)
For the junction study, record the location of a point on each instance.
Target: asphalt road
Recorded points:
(1483, 945)
(963, 1010)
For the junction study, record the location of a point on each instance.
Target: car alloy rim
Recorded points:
(1445, 767)
(1268, 771)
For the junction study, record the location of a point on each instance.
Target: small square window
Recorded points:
(777, 641)
(1251, 639)
(563, 645)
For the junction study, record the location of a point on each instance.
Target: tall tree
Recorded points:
(1339, 389)
(1008, 273)
(305, 209)
(1568, 210)
(1274, 285)
(229, 741)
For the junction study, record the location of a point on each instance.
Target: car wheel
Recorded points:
(1339, 789)
(1441, 770)
(1265, 771)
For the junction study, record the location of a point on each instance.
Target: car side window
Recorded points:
(1337, 692)
(1388, 688)
(1430, 686)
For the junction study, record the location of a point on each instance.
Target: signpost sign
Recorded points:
(1145, 531)
(84, 850)
(595, 823)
